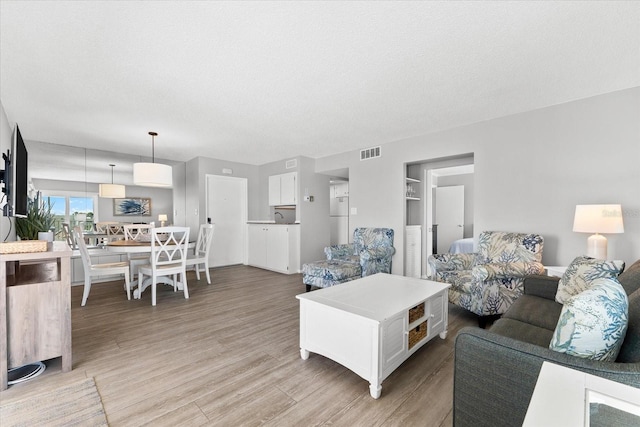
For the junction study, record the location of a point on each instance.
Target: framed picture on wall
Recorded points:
(132, 206)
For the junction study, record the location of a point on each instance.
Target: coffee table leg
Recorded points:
(304, 354)
(443, 335)
(375, 390)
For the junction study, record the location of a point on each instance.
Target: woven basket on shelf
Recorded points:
(417, 334)
(23, 246)
(416, 312)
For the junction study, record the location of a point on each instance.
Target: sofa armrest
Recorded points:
(494, 376)
(339, 251)
(506, 270)
(541, 286)
(451, 262)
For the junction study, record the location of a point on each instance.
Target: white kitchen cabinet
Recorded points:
(283, 189)
(257, 245)
(340, 190)
(275, 247)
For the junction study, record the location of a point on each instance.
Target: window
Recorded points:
(76, 210)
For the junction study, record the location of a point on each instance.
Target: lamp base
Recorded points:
(597, 246)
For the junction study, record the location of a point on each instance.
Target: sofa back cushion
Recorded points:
(498, 247)
(630, 280)
(581, 273)
(593, 324)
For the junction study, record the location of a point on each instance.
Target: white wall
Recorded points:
(531, 169)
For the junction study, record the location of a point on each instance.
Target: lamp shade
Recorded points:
(162, 217)
(111, 190)
(152, 175)
(606, 219)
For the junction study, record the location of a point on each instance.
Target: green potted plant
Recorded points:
(39, 219)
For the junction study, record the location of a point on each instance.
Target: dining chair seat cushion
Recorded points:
(110, 265)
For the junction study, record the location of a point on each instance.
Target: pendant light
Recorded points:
(111, 191)
(152, 174)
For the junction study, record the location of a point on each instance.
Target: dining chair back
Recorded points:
(200, 256)
(137, 232)
(66, 231)
(91, 270)
(113, 229)
(140, 232)
(168, 258)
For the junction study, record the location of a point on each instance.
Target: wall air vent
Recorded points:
(369, 153)
(290, 164)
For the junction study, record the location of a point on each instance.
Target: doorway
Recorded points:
(436, 176)
(227, 208)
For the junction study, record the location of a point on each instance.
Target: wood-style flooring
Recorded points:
(229, 356)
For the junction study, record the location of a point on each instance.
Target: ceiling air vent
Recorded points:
(290, 164)
(370, 153)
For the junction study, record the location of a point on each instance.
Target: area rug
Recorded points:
(74, 404)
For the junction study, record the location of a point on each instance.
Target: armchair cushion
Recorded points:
(345, 251)
(505, 271)
(593, 323)
(376, 260)
(451, 262)
(332, 271)
(581, 272)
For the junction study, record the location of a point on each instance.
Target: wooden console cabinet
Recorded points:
(35, 308)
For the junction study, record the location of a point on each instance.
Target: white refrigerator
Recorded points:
(339, 220)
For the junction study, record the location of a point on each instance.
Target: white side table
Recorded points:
(555, 270)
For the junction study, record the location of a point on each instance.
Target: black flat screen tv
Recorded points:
(16, 186)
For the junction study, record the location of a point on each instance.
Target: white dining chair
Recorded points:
(66, 231)
(140, 233)
(200, 255)
(112, 229)
(168, 258)
(91, 270)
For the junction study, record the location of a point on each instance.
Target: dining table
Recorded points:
(141, 247)
(94, 238)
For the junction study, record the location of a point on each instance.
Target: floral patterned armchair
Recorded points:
(489, 281)
(370, 253)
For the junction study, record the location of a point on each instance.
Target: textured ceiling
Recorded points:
(255, 82)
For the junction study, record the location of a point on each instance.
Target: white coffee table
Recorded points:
(372, 325)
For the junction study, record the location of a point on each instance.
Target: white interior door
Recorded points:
(227, 208)
(449, 216)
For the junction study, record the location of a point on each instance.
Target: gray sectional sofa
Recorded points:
(496, 369)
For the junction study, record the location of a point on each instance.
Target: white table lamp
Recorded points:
(598, 219)
(162, 218)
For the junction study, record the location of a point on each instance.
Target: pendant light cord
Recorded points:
(153, 146)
